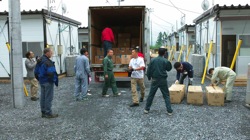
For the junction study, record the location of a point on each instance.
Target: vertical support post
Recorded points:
(236, 54)
(16, 54)
(189, 48)
(207, 60)
(248, 86)
(179, 58)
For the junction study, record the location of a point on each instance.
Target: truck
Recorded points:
(131, 28)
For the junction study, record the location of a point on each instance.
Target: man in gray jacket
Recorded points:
(30, 64)
(82, 71)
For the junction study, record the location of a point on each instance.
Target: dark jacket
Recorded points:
(186, 68)
(45, 71)
(158, 68)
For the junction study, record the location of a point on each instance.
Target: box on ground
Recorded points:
(195, 95)
(114, 59)
(98, 59)
(125, 59)
(215, 96)
(176, 92)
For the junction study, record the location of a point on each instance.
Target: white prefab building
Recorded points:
(225, 25)
(186, 38)
(41, 29)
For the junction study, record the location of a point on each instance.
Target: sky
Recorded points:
(165, 16)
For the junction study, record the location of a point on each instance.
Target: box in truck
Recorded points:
(130, 26)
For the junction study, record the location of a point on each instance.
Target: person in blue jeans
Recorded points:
(108, 39)
(45, 73)
(157, 72)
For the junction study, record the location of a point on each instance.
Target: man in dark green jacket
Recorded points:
(157, 72)
(109, 75)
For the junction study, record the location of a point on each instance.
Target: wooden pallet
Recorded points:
(240, 81)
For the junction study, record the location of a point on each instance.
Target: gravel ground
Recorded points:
(112, 118)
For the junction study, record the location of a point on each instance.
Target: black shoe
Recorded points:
(141, 99)
(134, 105)
(43, 115)
(34, 98)
(50, 116)
(227, 101)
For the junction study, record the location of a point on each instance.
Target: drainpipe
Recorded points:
(60, 56)
(71, 49)
(44, 31)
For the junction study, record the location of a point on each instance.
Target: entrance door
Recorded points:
(228, 50)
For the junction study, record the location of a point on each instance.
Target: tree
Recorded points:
(159, 40)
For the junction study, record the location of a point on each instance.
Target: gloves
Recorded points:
(90, 79)
(176, 82)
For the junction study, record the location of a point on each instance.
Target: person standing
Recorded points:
(157, 72)
(107, 39)
(137, 65)
(46, 74)
(223, 73)
(109, 75)
(184, 69)
(89, 78)
(30, 64)
(82, 71)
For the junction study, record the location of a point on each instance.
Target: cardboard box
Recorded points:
(114, 59)
(120, 51)
(128, 51)
(195, 95)
(98, 59)
(124, 43)
(118, 59)
(124, 36)
(99, 51)
(125, 59)
(135, 42)
(215, 96)
(176, 92)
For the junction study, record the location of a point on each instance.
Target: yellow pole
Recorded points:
(207, 60)
(179, 58)
(236, 54)
(189, 48)
(24, 87)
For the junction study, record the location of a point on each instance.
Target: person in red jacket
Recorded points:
(107, 39)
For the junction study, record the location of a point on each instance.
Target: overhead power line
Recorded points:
(177, 7)
(163, 19)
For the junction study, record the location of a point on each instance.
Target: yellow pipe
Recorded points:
(179, 58)
(236, 53)
(189, 48)
(24, 87)
(207, 60)
(8, 46)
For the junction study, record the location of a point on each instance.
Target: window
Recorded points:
(245, 46)
(35, 47)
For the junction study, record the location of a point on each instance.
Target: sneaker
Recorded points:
(118, 94)
(247, 106)
(43, 115)
(146, 111)
(105, 95)
(85, 99)
(170, 113)
(88, 90)
(89, 94)
(134, 105)
(51, 116)
(141, 99)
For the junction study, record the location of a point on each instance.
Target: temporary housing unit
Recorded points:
(187, 40)
(40, 29)
(225, 25)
